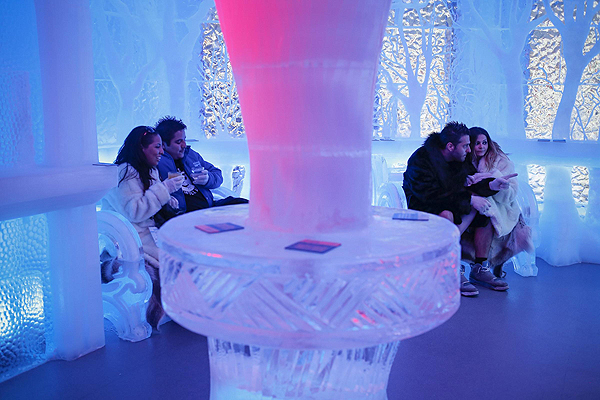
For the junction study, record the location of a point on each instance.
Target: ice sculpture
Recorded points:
(128, 287)
(573, 20)
(507, 45)
(566, 239)
(289, 324)
(524, 262)
(416, 49)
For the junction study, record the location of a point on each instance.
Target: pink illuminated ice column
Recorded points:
(305, 72)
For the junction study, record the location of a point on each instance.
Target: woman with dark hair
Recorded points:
(511, 234)
(139, 195)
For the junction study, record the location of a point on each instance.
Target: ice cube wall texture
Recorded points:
(25, 322)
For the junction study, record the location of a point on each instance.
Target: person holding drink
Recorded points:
(199, 176)
(139, 195)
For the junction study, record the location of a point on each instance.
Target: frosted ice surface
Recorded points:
(266, 373)
(392, 280)
(125, 296)
(566, 239)
(306, 98)
(25, 310)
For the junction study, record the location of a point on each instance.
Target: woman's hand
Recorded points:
(502, 182)
(174, 203)
(174, 184)
(481, 204)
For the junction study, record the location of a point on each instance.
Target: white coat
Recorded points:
(138, 206)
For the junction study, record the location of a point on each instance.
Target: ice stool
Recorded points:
(385, 193)
(524, 263)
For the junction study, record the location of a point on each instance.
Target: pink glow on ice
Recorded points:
(305, 72)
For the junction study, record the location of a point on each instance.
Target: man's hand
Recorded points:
(201, 178)
(477, 177)
(481, 204)
(502, 182)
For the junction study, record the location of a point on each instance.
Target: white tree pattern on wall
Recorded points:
(487, 63)
(577, 23)
(507, 44)
(220, 111)
(412, 86)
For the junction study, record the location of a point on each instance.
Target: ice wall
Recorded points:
(50, 298)
(520, 69)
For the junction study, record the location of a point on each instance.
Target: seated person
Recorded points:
(511, 234)
(139, 195)
(439, 181)
(199, 175)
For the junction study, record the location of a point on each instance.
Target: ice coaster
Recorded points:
(313, 246)
(218, 228)
(410, 216)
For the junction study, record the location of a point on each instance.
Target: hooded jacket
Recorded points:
(191, 159)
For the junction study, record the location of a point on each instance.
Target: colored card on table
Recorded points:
(218, 228)
(410, 216)
(313, 246)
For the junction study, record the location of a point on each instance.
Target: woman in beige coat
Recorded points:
(139, 195)
(511, 234)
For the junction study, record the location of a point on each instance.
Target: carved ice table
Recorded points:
(295, 325)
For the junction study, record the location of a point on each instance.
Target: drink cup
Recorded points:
(196, 172)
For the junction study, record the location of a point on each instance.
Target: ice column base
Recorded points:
(246, 372)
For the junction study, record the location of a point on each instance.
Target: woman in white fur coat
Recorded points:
(139, 195)
(511, 234)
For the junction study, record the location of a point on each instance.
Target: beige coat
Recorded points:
(138, 206)
(504, 210)
(512, 235)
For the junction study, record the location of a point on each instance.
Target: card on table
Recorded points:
(410, 216)
(218, 228)
(313, 246)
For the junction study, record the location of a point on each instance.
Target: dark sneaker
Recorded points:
(499, 272)
(466, 289)
(481, 275)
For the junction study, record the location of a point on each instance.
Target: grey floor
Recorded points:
(539, 340)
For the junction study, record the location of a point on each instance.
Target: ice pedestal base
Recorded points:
(391, 281)
(246, 372)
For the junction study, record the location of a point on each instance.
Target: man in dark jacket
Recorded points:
(199, 175)
(439, 181)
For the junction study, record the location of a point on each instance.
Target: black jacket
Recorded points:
(432, 184)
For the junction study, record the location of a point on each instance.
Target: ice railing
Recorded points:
(552, 157)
